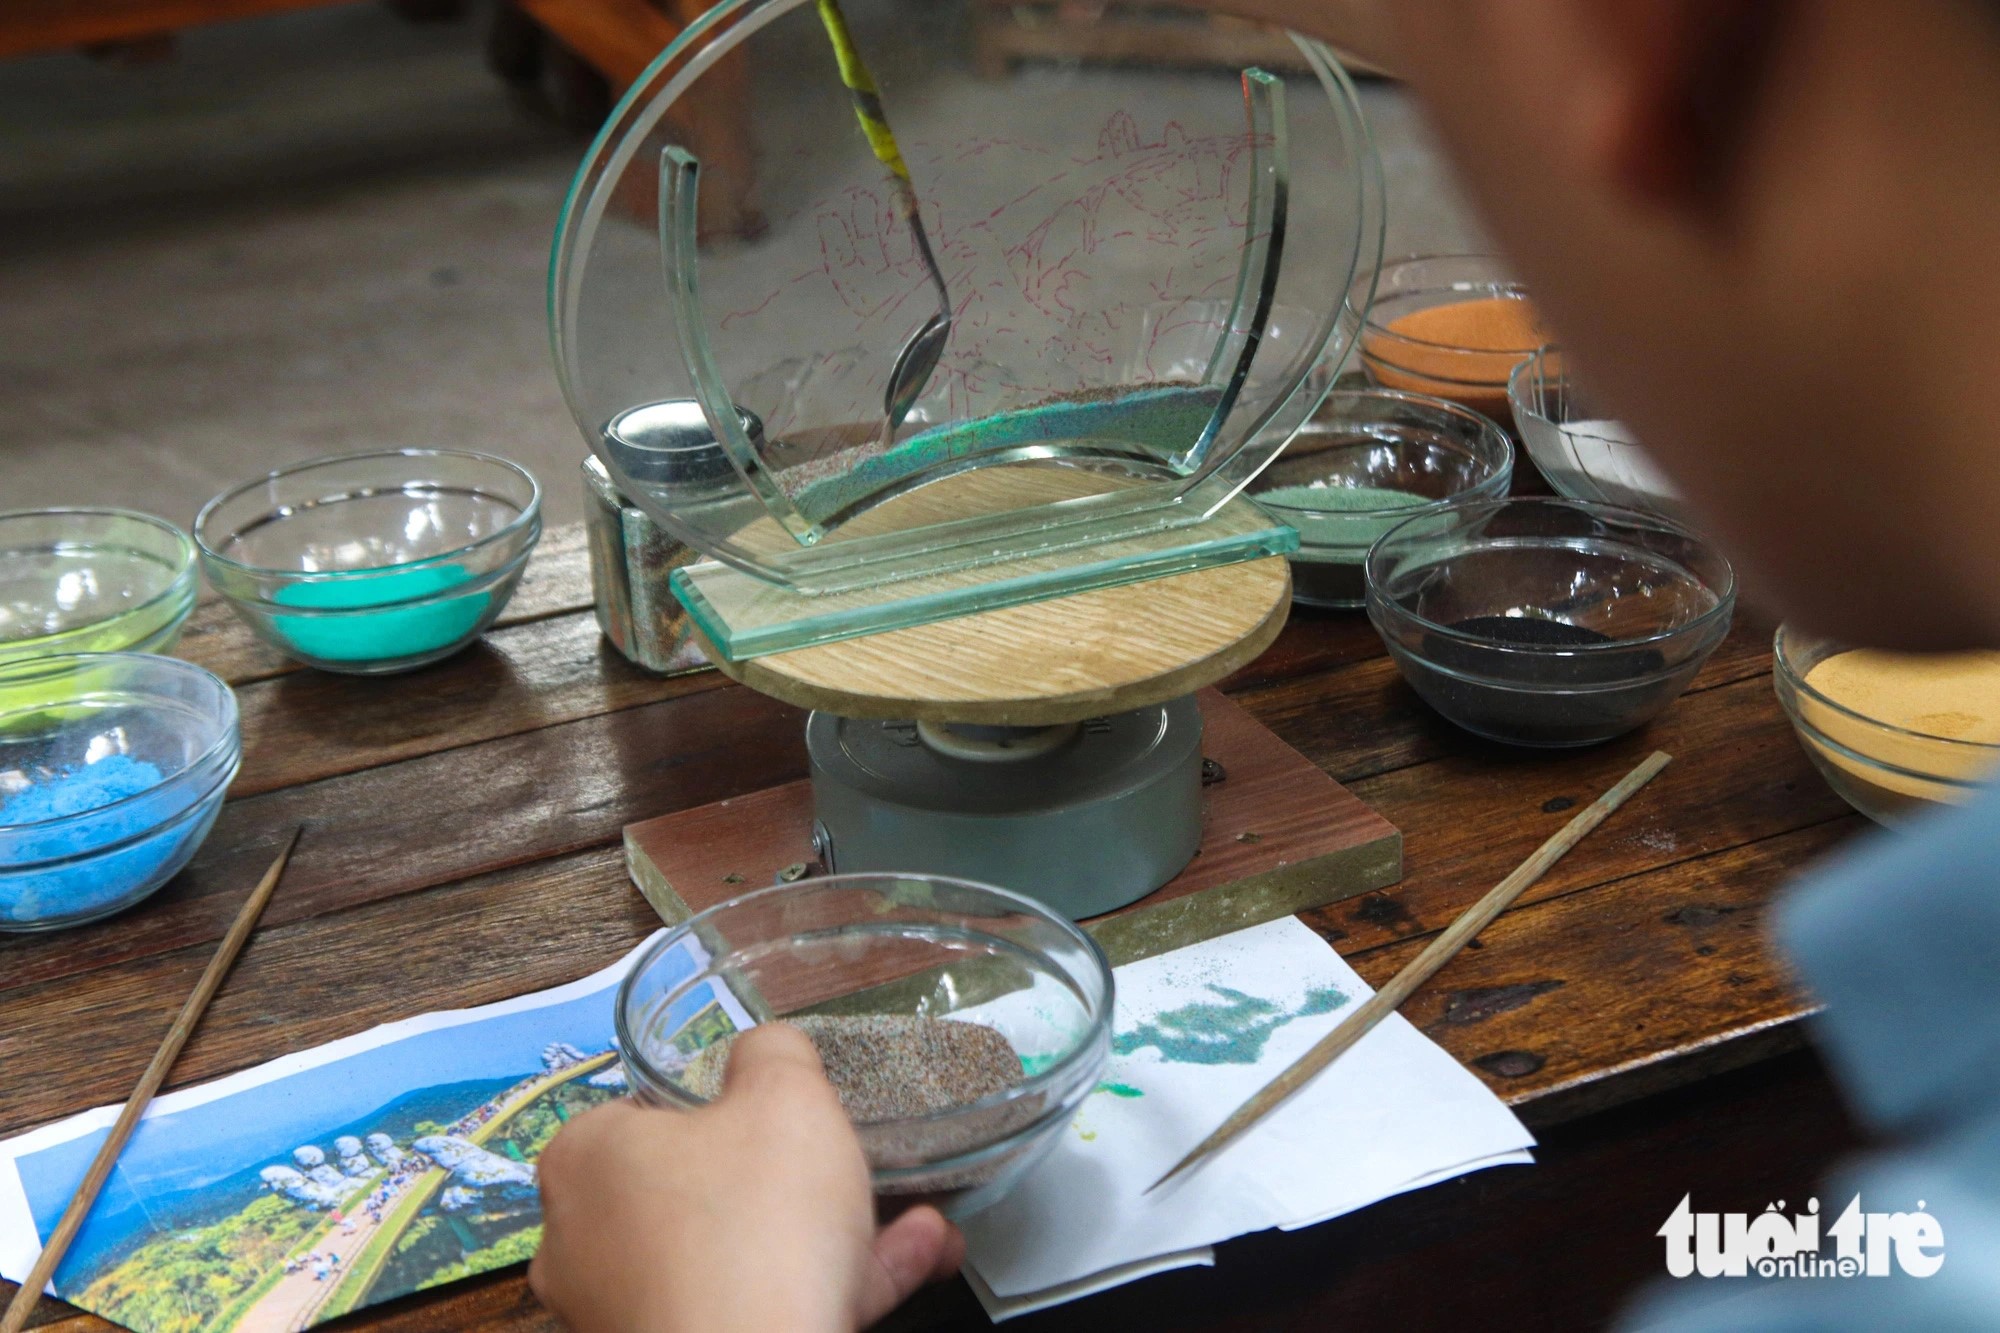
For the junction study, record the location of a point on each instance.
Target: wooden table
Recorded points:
(462, 845)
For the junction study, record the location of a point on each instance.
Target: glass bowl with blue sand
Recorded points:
(92, 580)
(373, 563)
(1548, 622)
(1367, 460)
(112, 769)
(962, 1024)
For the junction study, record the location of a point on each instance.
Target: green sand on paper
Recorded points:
(1342, 515)
(1231, 1030)
(406, 625)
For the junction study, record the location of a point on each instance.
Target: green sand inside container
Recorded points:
(410, 621)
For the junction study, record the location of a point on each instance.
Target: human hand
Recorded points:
(751, 1213)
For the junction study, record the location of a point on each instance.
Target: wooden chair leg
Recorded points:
(620, 38)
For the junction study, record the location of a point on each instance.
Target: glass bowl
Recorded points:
(377, 562)
(91, 580)
(1474, 373)
(1547, 622)
(112, 769)
(901, 946)
(1369, 459)
(1886, 770)
(1584, 454)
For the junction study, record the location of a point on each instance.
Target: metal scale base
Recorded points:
(1085, 816)
(1277, 835)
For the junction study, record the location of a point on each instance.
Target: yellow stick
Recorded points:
(861, 85)
(73, 1216)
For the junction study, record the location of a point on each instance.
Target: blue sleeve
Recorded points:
(1899, 936)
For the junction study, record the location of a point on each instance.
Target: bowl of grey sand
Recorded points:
(961, 1024)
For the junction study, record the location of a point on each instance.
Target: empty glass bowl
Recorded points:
(1888, 770)
(1584, 454)
(376, 562)
(902, 947)
(91, 580)
(1367, 460)
(1410, 343)
(112, 769)
(1547, 622)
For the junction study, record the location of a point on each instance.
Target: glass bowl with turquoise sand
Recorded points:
(1544, 621)
(1367, 460)
(373, 563)
(962, 1024)
(92, 580)
(1584, 454)
(112, 769)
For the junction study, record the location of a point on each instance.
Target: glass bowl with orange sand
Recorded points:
(1893, 733)
(1452, 326)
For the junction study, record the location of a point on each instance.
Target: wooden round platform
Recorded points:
(1062, 660)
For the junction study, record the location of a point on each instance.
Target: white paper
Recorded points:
(1198, 1031)
(1001, 1308)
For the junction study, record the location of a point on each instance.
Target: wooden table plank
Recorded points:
(461, 811)
(387, 832)
(309, 725)
(1468, 819)
(313, 980)
(1579, 1001)
(426, 822)
(1360, 718)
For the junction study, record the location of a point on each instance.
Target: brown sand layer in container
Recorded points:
(1955, 696)
(890, 1066)
(1480, 341)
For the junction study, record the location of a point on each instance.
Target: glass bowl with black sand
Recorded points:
(961, 1024)
(1548, 622)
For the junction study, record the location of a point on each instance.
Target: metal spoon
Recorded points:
(918, 360)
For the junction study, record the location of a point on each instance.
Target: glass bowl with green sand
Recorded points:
(961, 1024)
(377, 562)
(1369, 459)
(91, 580)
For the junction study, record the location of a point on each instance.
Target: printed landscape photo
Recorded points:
(313, 1186)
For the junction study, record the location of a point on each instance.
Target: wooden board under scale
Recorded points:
(1279, 836)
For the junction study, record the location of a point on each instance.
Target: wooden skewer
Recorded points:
(73, 1216)
(1390, 998)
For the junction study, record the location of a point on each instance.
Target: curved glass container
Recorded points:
(1112, 370)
